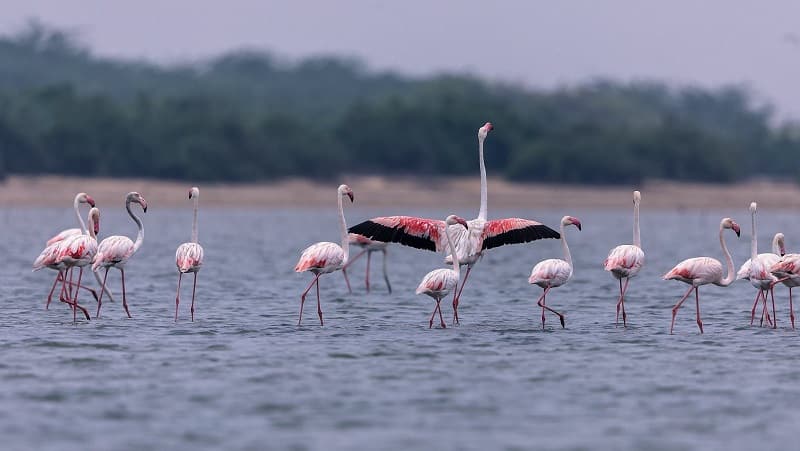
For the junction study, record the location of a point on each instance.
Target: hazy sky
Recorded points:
(539, 43)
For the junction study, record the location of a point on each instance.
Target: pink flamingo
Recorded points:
(787, 270)
(703, 270)
(189, 256)
(439, 282)
(116, 250)
(758, 274)
(74, 250)
(325, 257)
(482, 234)
(367, 246)
(625, 260)
(554, 272)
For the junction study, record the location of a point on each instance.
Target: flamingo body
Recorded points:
(697, 271)
(64, 234)
(321, 258)
(552, 272)
(189, 257)
(438, 283)
(624, 261)
(114, 251)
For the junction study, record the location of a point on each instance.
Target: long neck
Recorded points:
(78, 215)
(776, 248)
(91, 228)
(456, 264)
(194, 221)
(637, 240)
(140, 235)
(753, 238)
(567, 255)
(343, 227)
(731, 274)
(482, 213)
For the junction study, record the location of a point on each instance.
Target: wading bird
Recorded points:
(79, 251)
(189, 256)
(760, 276)
(367, 246)
(439, 282)
(787, 270)
(625, 260)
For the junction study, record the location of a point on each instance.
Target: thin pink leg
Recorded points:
(124, 299)
(344, 269)
(178, 296)
(194, 287)
(545, 307)
(102, 290)
(677, 306)
(75, 305)
(619, 303)
(385, 274)
(697, 303)
(433, 315)
(441, 320)
(753, 312)
(50, 296)
(774, 315)
(624, 315)
(346, 280)
(366, 278)
(319, 306)
(458, 295)
(791, 308)
(303, 297)
(765, 310)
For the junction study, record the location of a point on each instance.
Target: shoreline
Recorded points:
(379, 191)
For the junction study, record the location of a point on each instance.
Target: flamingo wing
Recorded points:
(64, 234)
(47, 257)
(697, 270)
(553, 272)
(788, 265)
(189, 257)
(625, 260)
(112, 251)
(499, 232)
(439, 281)
(320, 256)
(410, 231)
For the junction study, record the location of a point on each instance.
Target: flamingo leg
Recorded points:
(441, 320)
(194, 287)
(619, 302)
(697, 303)
(765, 309)
(386, 273)
(75, 305)
(105, 289)
(545, 307)
(622, 302)
(319, 306)
(458, 295)
(303, 297)
(346, 279)
(178, 296)
(774, 315)
(366, 278)
(102, 290)
(677, 306)
(791, 308)
(50, 296)
(753, 312)
(433, 315)
(124, 298)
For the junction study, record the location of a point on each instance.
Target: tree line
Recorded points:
(248, 115)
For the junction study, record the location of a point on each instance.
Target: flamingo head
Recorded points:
(571, 220)
(778, 242)
(453, 220)
(483, 131)
(94, 219)
(133, 196)
(194, 193)
(728, 223)
(753, 207)
(83, 198)
(345, 190)
(637, 197)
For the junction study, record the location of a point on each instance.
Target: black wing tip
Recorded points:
(382, 233)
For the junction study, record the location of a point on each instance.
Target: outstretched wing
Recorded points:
(514, 231)
(410, 231)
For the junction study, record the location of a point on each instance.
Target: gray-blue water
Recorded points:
(244, 376)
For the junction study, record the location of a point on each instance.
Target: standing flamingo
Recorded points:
(325, 257)
(554, 272)
(74, 250)
(482, 234)
(79, 251)
(367, 246)
(189, 256)
(699, 271)
(625, 260)
(764, 279)
(439, 282)
(787, 270)
(114, 251)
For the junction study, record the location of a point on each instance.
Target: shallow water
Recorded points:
(244, 376)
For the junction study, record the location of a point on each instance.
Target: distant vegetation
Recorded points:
(248, 115)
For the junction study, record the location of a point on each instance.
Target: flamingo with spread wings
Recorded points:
(482, 234)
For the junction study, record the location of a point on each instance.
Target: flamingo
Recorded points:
(367, 246)
(764, 280)
(482, 234)
(625, 260)
(554, 272)
(189, 256)
(699, 271)
(439, 282)
(787, 270)
(73, 250)
(116, 250)
(325, 257)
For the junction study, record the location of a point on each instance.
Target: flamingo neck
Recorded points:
(637, 240)
(456, 264)
(91, 228)
(484, 195)
(776, 247)
(753, 238)
(75, 206)
(731, 274)
(567, 255)
(194, 221)
(140, 235)
(343, 227)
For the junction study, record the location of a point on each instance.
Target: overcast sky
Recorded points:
(539, 43)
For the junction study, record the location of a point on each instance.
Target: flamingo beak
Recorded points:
(736, 229)
(89, 200)
(463, 223)
(350, 195)
(143, 204)
(577, 224)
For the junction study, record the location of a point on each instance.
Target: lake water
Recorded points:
(243, 376)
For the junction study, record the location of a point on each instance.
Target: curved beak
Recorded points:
(577, 224)
(737, 230)
(350, 195)
(463, 223)
(144, 205)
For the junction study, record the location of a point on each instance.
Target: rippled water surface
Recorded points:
(244, 376)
